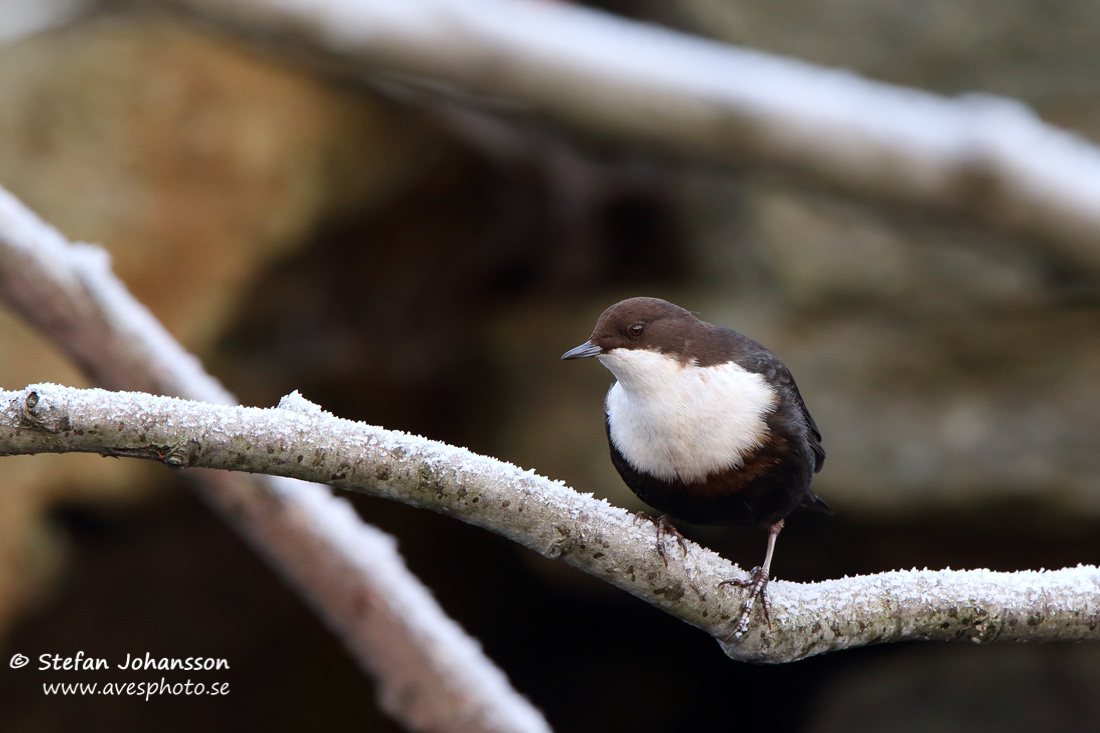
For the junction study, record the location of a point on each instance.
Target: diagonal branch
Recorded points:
(430, 674)
(298, 439)
(990, 159)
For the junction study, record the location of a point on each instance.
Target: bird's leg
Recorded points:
(665, 528)
(757, 583)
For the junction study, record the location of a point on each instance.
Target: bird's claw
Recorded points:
(665, 528)
(757, 583)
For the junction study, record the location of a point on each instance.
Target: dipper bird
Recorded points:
(705, 424)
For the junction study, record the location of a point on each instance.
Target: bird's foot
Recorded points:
(665, 528)
(757, 583)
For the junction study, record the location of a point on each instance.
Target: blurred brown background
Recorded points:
(422, 265)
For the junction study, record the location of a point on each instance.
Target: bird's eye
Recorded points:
(636, 330)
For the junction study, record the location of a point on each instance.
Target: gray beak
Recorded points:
(583, 351)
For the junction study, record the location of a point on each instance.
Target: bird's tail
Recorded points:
(810, 500)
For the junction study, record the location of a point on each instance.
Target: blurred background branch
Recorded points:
(986, 158)
(430, 675)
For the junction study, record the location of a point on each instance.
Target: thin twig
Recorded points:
(298, 439)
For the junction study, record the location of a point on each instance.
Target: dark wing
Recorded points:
(755, 358)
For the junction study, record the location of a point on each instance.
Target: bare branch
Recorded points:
(430, 675)
(298, 439)
(980, 156)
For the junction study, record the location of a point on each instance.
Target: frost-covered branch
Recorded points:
(299, 440)
(430, 674)
(987, 158)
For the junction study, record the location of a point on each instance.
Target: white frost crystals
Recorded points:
(297, 403)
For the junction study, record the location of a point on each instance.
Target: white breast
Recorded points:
(675, 421)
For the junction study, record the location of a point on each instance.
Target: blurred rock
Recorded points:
(170, 146)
